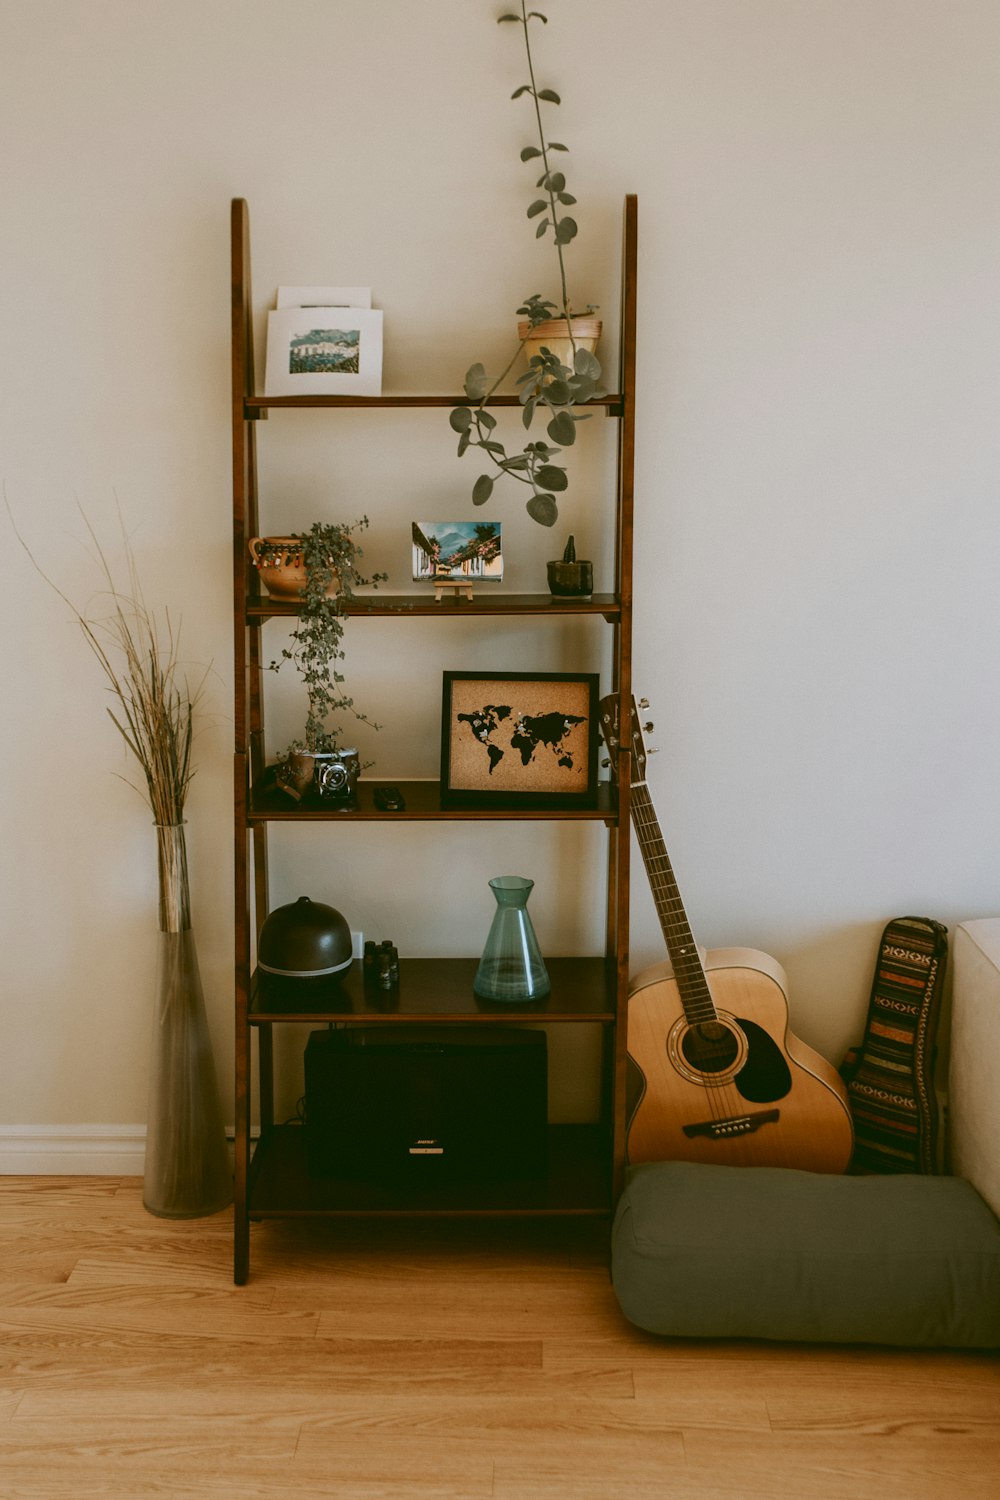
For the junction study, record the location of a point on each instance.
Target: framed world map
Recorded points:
(519, 739)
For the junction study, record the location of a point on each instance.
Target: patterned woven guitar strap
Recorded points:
(890, 1077)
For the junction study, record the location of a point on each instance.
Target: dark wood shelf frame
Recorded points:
(585, 1162)
(257, 406)
(439, 991)
(576, 1181)
(487, 603)
(423, 804)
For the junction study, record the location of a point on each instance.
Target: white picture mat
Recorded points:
(324, 296)
(286, 324)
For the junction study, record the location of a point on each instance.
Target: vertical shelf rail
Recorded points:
(244, 475)
(619, 845)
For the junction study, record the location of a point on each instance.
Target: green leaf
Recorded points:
(538, 207)
(524, 89)
(508, 17)
(557, 146)
(543, 509)
(556, 182)
(538, 16)
(565, 231)
(461, 418)
(566, 198)
(587, 364)
(550, 96)
(543, 225)
(476, 384)
(486, 419)
(552, 478)
(482, 489)
(558, 393)
(562, 429)
(528, 152)
(463, 443)
(528, 411)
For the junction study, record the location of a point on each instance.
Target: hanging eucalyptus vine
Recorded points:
(548, 384)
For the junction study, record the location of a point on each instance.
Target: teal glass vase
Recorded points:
(511, 969)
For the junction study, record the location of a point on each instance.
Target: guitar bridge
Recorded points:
(718, 1130)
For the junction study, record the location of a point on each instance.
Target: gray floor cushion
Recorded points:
(765, 1252)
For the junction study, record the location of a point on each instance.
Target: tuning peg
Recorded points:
(643, 702)
(649, 726)
(605, 763)
(653, 750)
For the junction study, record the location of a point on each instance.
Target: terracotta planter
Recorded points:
(278, 560)
(554, 335)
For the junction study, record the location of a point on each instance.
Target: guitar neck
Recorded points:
(689, 971)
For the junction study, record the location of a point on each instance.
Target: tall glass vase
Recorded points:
(512, 968)
(188, 1172)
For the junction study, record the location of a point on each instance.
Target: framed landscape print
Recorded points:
(457, 549)
(519, 739)
(324, 351)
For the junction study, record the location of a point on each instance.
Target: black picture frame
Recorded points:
(514, 758)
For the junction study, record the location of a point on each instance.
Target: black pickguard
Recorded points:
(765, 1075)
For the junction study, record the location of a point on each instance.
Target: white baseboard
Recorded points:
(73, 1150)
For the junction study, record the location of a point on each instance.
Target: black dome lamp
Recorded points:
(304, 940)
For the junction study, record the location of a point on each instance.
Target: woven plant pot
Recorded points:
(554, 335)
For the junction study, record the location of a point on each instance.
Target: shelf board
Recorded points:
(439, 990)
(489, 602)
(577, 1182)
(423, 804)
(253, 405)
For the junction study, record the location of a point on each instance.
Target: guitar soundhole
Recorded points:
(710, 1047)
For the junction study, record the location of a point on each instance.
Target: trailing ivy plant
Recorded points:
(548, 384)
(329, 552)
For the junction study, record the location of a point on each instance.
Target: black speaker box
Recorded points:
(433, 1102)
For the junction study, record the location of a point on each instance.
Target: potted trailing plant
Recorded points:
(329, 554)
(563, 370)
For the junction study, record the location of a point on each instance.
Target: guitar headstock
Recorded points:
(611, 731)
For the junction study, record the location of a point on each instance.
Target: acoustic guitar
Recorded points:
(715, 1075)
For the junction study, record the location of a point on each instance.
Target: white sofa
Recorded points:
(974, 1066)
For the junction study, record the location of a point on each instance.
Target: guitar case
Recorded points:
(890, 1076)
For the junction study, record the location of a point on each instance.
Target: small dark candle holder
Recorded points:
(569, 578)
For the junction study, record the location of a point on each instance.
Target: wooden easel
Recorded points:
(460, 587)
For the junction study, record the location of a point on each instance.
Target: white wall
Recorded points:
(816, 516)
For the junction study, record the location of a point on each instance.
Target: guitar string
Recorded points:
(689, 971)
(686, 960)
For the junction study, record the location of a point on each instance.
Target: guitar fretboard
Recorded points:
(688, 969)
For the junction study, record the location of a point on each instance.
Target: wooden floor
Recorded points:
(425, 1359)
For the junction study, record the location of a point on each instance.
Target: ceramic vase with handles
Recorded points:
(279, 561)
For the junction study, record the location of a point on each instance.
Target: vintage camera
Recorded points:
(336, 777)
(331, 775)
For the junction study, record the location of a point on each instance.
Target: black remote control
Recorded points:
(389, 799)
